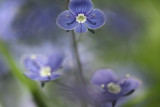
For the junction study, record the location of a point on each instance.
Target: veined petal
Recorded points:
(81, 28)
(95, 19)
(66, 20)
(55, 61)
(130, 84)
(80, 6)
(103, 76)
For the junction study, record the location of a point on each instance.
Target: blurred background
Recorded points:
(129, 42)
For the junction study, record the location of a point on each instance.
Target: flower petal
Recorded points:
(66, 20)
(55, 76)
(103, 76)
(95, 19)
(47, 79)
(33, 62)
(81, 28)
(32, 76)
(80, 6)
(43, 79)
(130, 85)
(104, 96)
(55, 61)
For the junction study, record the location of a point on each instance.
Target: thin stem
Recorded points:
(79, 66)
(79, 69)
(67, 4)
(76, 54)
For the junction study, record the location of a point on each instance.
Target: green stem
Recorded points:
(38, 100)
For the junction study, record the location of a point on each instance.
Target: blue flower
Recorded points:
(112, 88)
(42, 68)
(80, 16)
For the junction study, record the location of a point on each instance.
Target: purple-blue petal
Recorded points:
(80, 6)
(129, 85)
(81, 28)
(32, 76)
(33, 65)
(55, 76)
(55, 61)
(95, 19)
(66, 20)
(47, 79)
(43, 79)
(104, 96)
(103, 76)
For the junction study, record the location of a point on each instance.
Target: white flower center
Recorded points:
(128, 75)
(45, 71)
(113, 88)
(81, 18)
(103, 86)
(33, 57)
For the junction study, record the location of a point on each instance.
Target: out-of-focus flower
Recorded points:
(36, 20)
(42, 68)
(112, 88)
(123, 22)
(8, 11)
(80, 16)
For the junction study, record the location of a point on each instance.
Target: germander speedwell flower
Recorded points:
(80, 16)
(112, 88)
(42, 68)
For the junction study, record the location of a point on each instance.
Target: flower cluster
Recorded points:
(112, 88)
(42, 68)
(81, 16)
